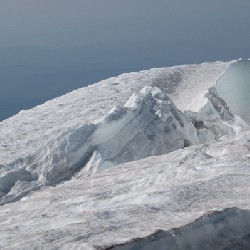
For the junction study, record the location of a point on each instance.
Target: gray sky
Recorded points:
(50, 47)
(222, 23)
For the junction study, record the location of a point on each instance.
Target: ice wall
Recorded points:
(234, 88)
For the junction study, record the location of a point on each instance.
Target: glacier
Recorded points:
(125, 157)
(233, 87)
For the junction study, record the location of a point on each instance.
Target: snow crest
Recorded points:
(148, 124)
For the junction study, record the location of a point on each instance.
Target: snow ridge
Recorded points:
(148, 124)
(27, 131)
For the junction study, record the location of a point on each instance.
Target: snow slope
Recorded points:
(52, 142)
(134, 200)
(28, 130)
(53, 157)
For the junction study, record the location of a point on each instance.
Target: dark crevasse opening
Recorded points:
(225, 230)
(234, 88)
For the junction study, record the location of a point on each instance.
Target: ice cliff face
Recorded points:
(76, 137)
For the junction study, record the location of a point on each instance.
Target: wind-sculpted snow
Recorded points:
(133, 200)
(148, 124)
(27, 131)
(79, 163)
(151, 125)
(55, 140)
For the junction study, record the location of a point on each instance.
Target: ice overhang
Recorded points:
(234, 87)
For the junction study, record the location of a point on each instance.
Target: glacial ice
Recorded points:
(133, 200)
(234, 88)
(111, 144)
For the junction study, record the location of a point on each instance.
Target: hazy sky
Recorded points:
(77, 22)
(50, 47)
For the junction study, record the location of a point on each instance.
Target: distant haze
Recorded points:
(224, 23)
(50, 47)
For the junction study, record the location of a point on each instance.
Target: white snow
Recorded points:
(134, 200)
(78, 170)
(27, 131)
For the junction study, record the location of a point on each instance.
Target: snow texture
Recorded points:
(27, 131)
(132, 200)
(78, 170)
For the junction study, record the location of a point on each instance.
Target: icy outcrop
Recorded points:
(214, 119)
(27, 131)
(234, 87)
(149, 124)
